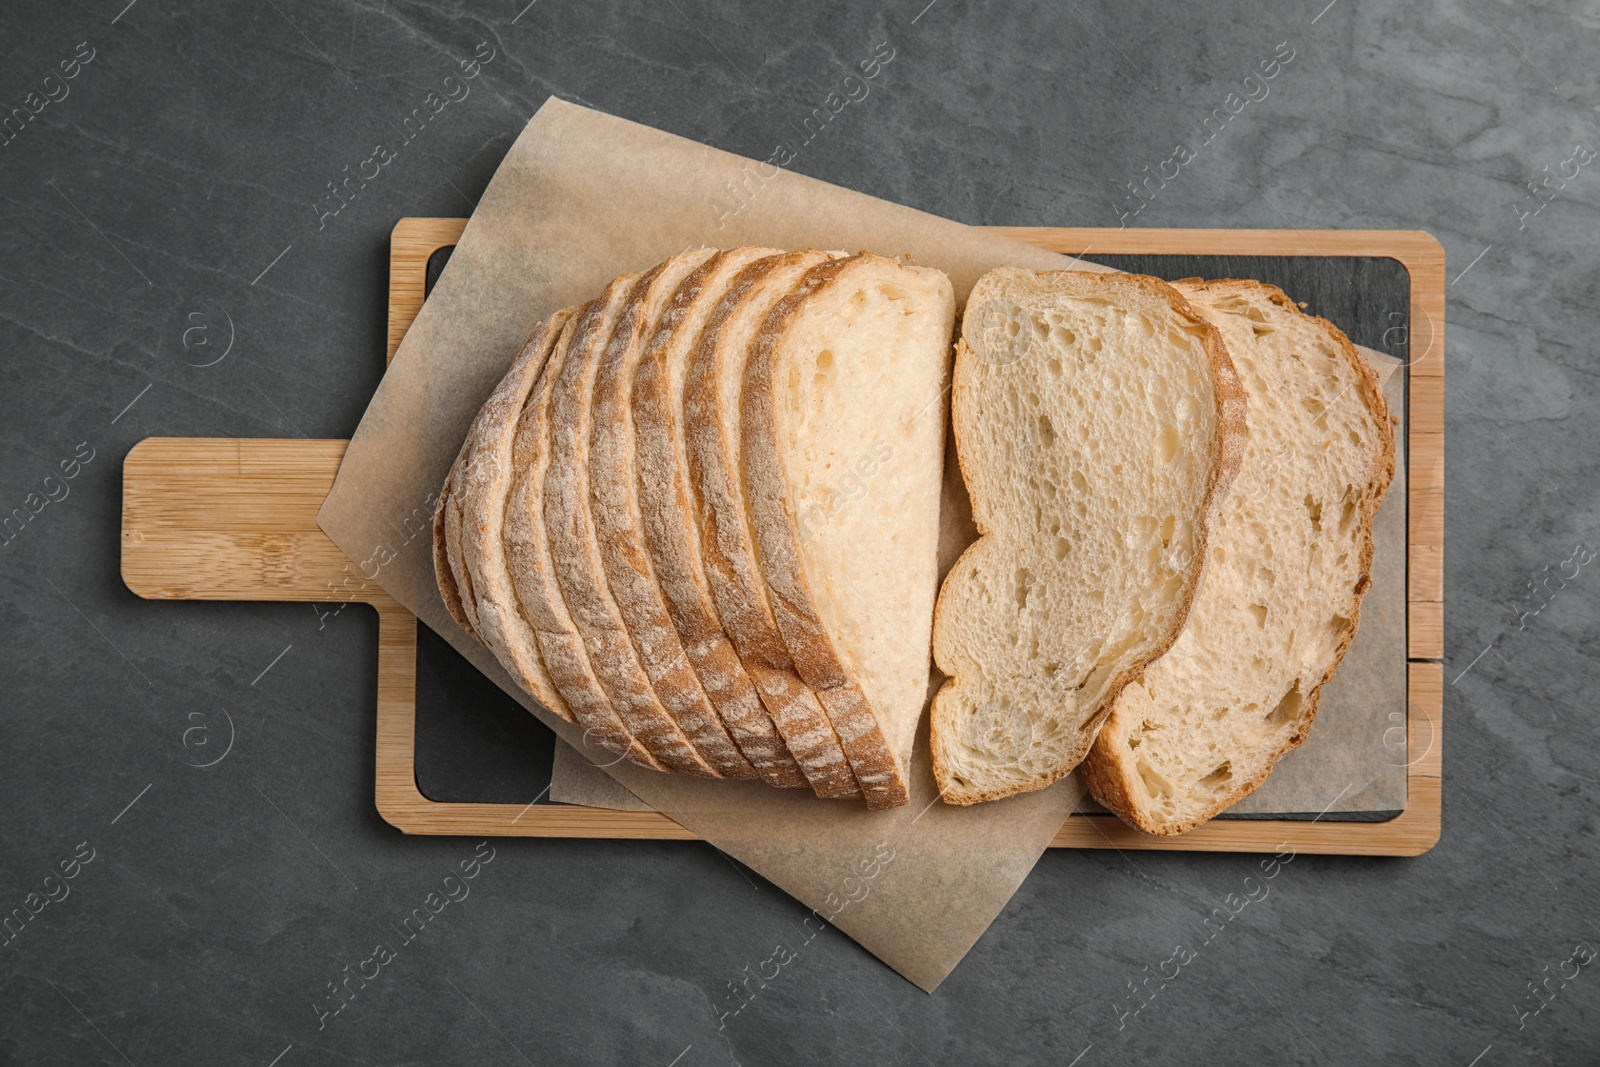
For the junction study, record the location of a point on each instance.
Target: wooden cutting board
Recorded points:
(235, 519)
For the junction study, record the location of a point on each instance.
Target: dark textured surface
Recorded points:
(191, 151)
(474, 743)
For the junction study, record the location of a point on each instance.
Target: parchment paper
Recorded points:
(574, 780)
(580, 198)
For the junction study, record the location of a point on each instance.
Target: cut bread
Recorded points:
(1098, 422)
(449, 589)
(712, 383)
(527, 553)
(458, 565)
(603, 460)
(570, 531)
(1288, 561)
(751, 688)
(699, 649)
(480, 486)
(842, 429)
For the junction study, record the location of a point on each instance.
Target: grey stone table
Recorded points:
(166, 185)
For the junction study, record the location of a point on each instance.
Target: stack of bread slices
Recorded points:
(699, 517)
(1175, 485)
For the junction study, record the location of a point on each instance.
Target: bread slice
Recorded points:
(751, 690)
(1288, 561)
(447, 553)
(843, 444)
(458, 562)
(712, 383)
(444, 575)
(700, 666)
(602, 459)
(480, 486)
(1098, 422)
(527, 554)
(573, 554)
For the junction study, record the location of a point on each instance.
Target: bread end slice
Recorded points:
(449, 591)
(480, 486)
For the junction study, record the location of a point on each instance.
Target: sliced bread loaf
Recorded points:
(1098, 421)
(480, 486)
(699, 647)
(712, 381)
(570, 530)
(603, 462)
(1287, 564)
(527, 553)
(842, 431)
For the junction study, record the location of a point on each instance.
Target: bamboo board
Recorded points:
(227, 519)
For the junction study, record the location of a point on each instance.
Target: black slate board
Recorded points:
(477, 745)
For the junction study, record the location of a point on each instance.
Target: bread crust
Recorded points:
(727, 547)
(484, 476)
(442, 574)
(1232, 433)
(573, 555)
(874, 762)
(606, 459)
(468, 599)
(641, 488)
(532, 574)
(1109, 776)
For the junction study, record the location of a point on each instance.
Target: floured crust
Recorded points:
(666, 510)
(574, 556)
(727, 543)
(458, 564)
(1111, 776)
(484, 476)
(875, 764)
(625, 458)
(443, 575)
(605, 459)
(528, 564)
(1231, 434)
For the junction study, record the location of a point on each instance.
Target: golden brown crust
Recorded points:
(573, 555)
(621, 564)
(1109, 777)
(442, 574)
(875, 764)
(458, 565)
(480, 485)
(727, 548)
(650, 487)
(533, 580)
(1232, 433)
